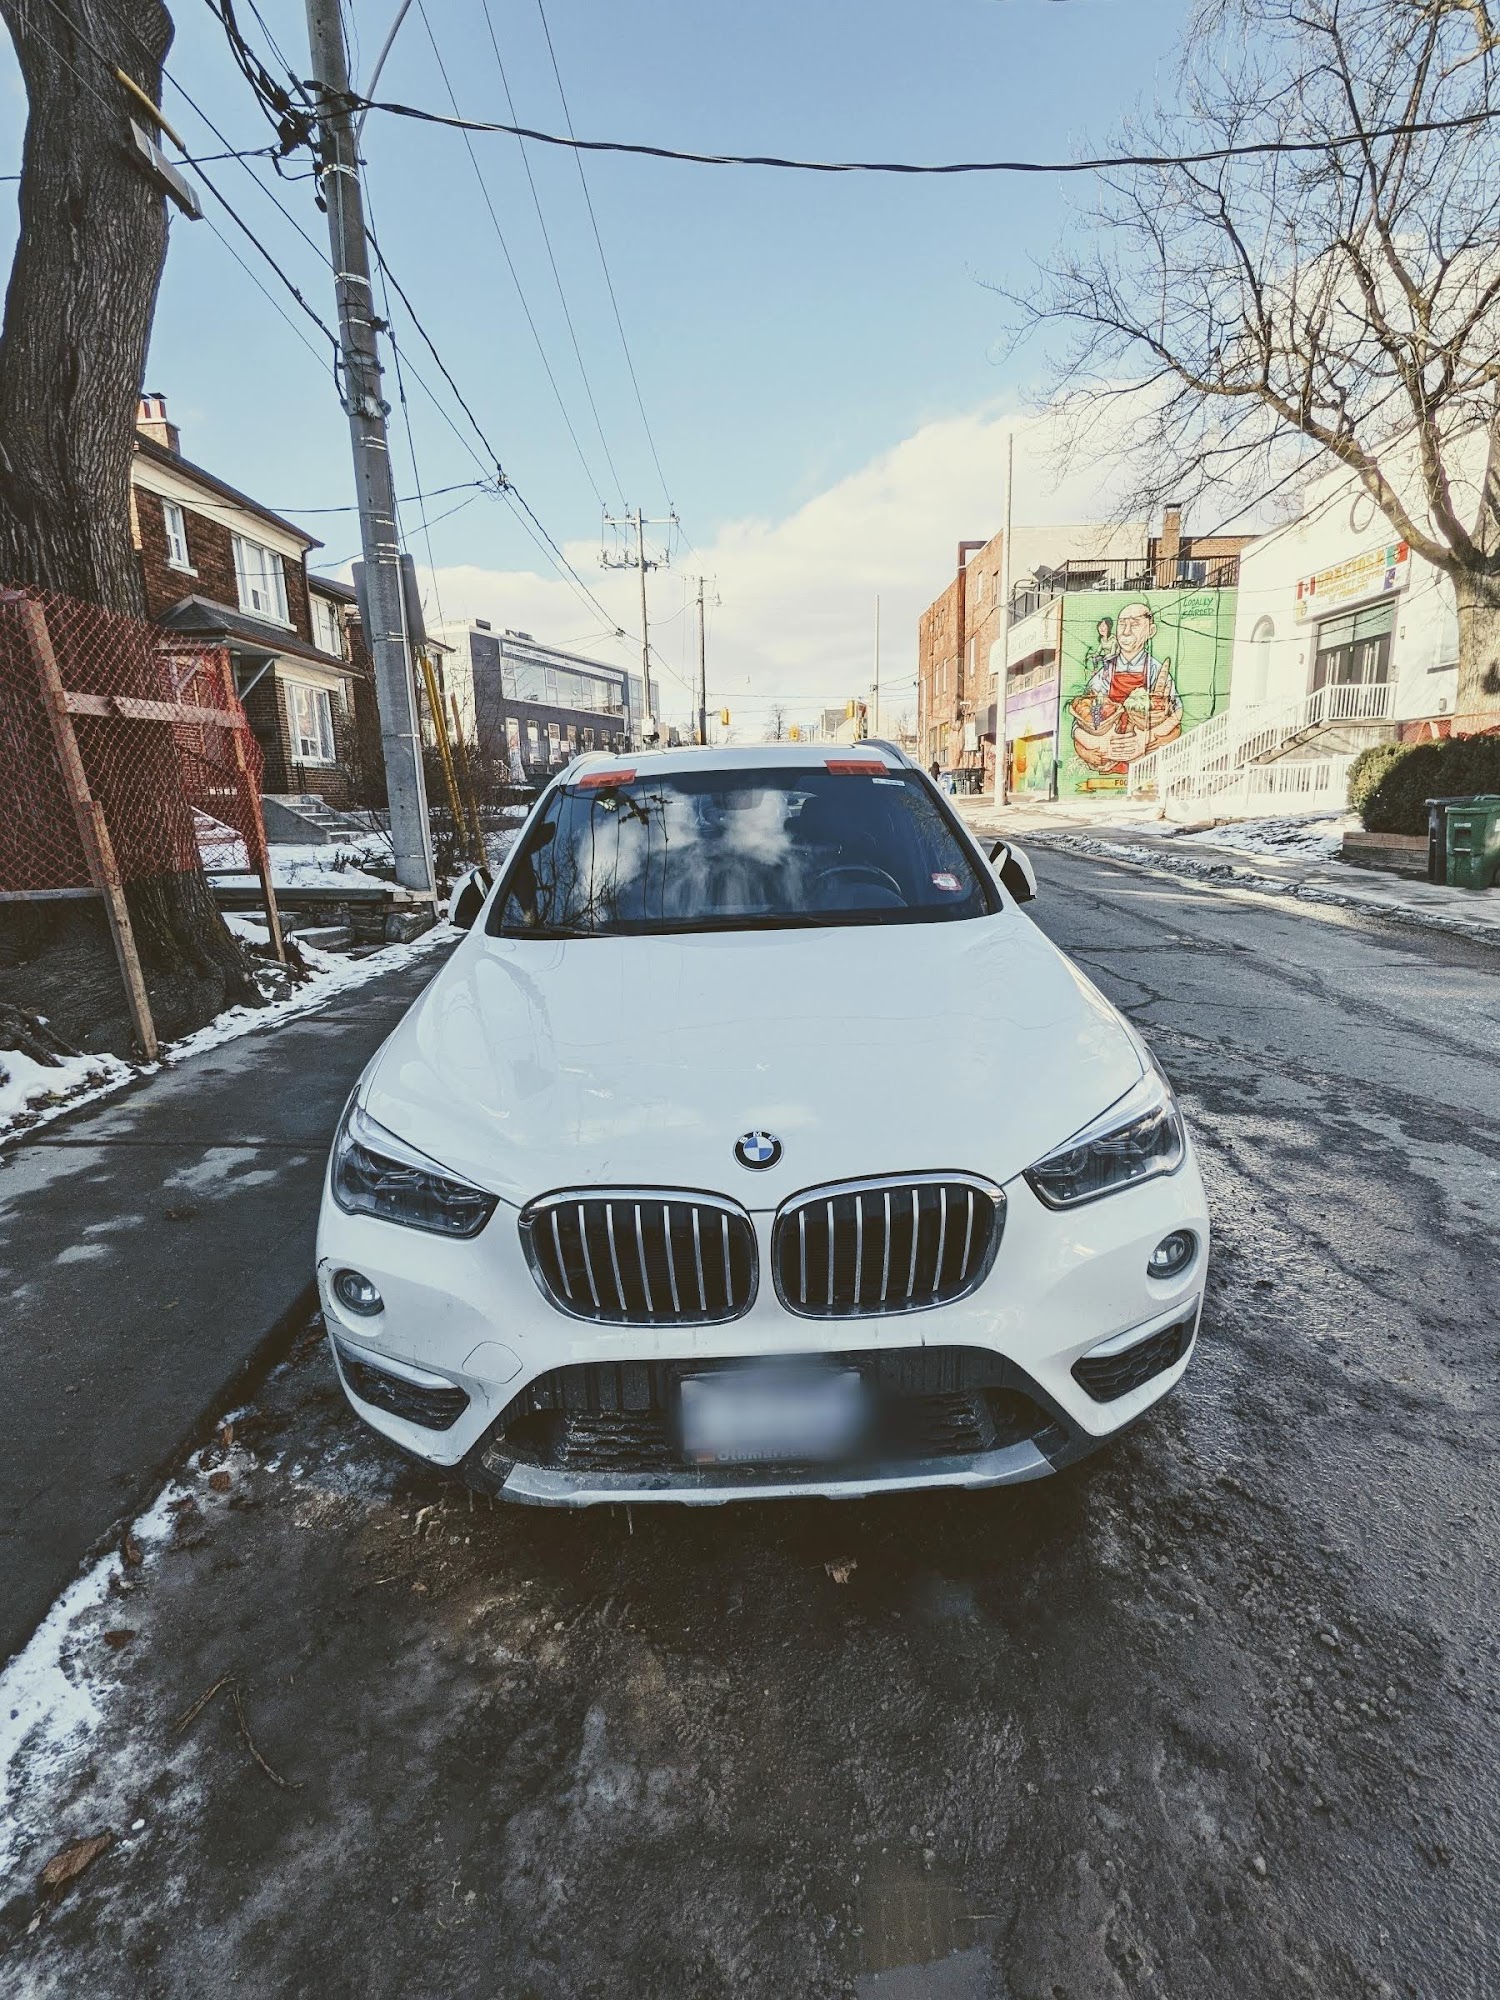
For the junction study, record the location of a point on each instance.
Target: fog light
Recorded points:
(357, 1294)
(1173, 1254)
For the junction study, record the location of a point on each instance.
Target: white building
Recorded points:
(1343, 637)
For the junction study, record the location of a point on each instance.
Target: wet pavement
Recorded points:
(1214, 1715)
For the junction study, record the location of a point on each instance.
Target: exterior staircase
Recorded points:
(1280, 755)
(303, 819)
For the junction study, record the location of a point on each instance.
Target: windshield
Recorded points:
(737, 850)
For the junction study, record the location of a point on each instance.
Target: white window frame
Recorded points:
(260, 577)
(174, 521)
(332, 640)
(319, 713)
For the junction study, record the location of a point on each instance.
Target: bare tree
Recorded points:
(1253, 316)
(78, 312)
(776, 724)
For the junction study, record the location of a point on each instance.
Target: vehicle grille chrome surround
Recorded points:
(642, 1256)
(867, 1248)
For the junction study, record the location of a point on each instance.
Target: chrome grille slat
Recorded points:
(666, 1223)
(640, 1251)
(596, 1255)
(557, 1248)
(588, 1262)
(933, 1238)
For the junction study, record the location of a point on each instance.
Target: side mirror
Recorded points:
(468, 898)
(1015, 871)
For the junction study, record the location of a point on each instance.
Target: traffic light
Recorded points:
(795, 732)
(724, 718)
(848, 711)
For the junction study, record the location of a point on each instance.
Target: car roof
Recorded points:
(737, 757)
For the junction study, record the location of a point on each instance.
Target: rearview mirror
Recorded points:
(467, 900)
(1015, 871)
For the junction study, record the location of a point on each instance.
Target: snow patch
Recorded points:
(31, 1093)
(50, 1695)
(1311, 836)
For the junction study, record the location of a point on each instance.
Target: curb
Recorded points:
(1409, 917)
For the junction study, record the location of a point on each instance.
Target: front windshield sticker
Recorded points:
(950, 883)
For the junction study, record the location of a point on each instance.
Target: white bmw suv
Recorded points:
(753, 1142)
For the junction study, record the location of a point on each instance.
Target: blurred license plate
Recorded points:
(743, 1415)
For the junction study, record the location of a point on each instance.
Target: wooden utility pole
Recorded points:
(374, 487)
(634, 518)
(1002, 760)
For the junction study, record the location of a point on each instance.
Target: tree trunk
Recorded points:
(1477, 709)
(78, 312)
(82, 291)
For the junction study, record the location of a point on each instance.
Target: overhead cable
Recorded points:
(1332, 142)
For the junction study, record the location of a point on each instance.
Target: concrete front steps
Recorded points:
(302, 819)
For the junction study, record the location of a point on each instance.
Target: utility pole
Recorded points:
(1002, 760)
(702, 671)
(877, 663)
(634, 518)
(395, 690)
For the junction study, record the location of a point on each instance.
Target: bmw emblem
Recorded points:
(757, 1150)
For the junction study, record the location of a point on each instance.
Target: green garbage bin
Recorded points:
(1474, 843)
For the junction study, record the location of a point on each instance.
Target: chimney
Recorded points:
(1171, 532)
(152, 422)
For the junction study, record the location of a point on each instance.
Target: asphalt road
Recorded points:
(1212, 1717)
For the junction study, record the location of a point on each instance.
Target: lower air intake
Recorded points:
(1107, 1377)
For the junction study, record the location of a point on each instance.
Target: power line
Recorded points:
(562, 298)
(515, 275)
(598, 239)
(1102, 163)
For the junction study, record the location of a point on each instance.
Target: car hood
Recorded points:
(533, 1065)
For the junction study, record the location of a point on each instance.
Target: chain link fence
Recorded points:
(127, 755)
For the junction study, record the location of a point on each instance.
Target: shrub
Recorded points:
(1367, 770)
(1455, 766)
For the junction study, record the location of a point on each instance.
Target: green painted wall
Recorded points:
(1137, 671)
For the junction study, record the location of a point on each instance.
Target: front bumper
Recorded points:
(468, 1316)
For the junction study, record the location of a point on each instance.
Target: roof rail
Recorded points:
(891, 749)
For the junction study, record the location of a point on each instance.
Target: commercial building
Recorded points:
(1114, 639)
(531, 706)
(1344, 637)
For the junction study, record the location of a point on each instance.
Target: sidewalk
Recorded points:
(1151, 845)
(151, 1247)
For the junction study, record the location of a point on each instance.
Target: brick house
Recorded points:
(220, 567)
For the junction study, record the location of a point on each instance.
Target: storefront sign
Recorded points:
(1373, 574)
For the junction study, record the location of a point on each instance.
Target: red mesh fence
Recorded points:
(166, 750)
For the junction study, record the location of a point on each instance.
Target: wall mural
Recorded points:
(1137, 672)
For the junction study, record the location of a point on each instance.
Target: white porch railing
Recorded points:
(1292, 784)
(1209, 760)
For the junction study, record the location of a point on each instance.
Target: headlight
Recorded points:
(1137, 1138)
(375, 1173)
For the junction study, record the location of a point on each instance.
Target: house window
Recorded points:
(262, 583)
(312, 723)
(327, 626)
(176, 526)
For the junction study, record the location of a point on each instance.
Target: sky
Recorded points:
(821, 359)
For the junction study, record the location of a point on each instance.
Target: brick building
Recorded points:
(962, 635)
(219, 567)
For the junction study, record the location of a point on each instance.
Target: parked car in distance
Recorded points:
(754, 1141)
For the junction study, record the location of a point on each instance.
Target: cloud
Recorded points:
(796, 611)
